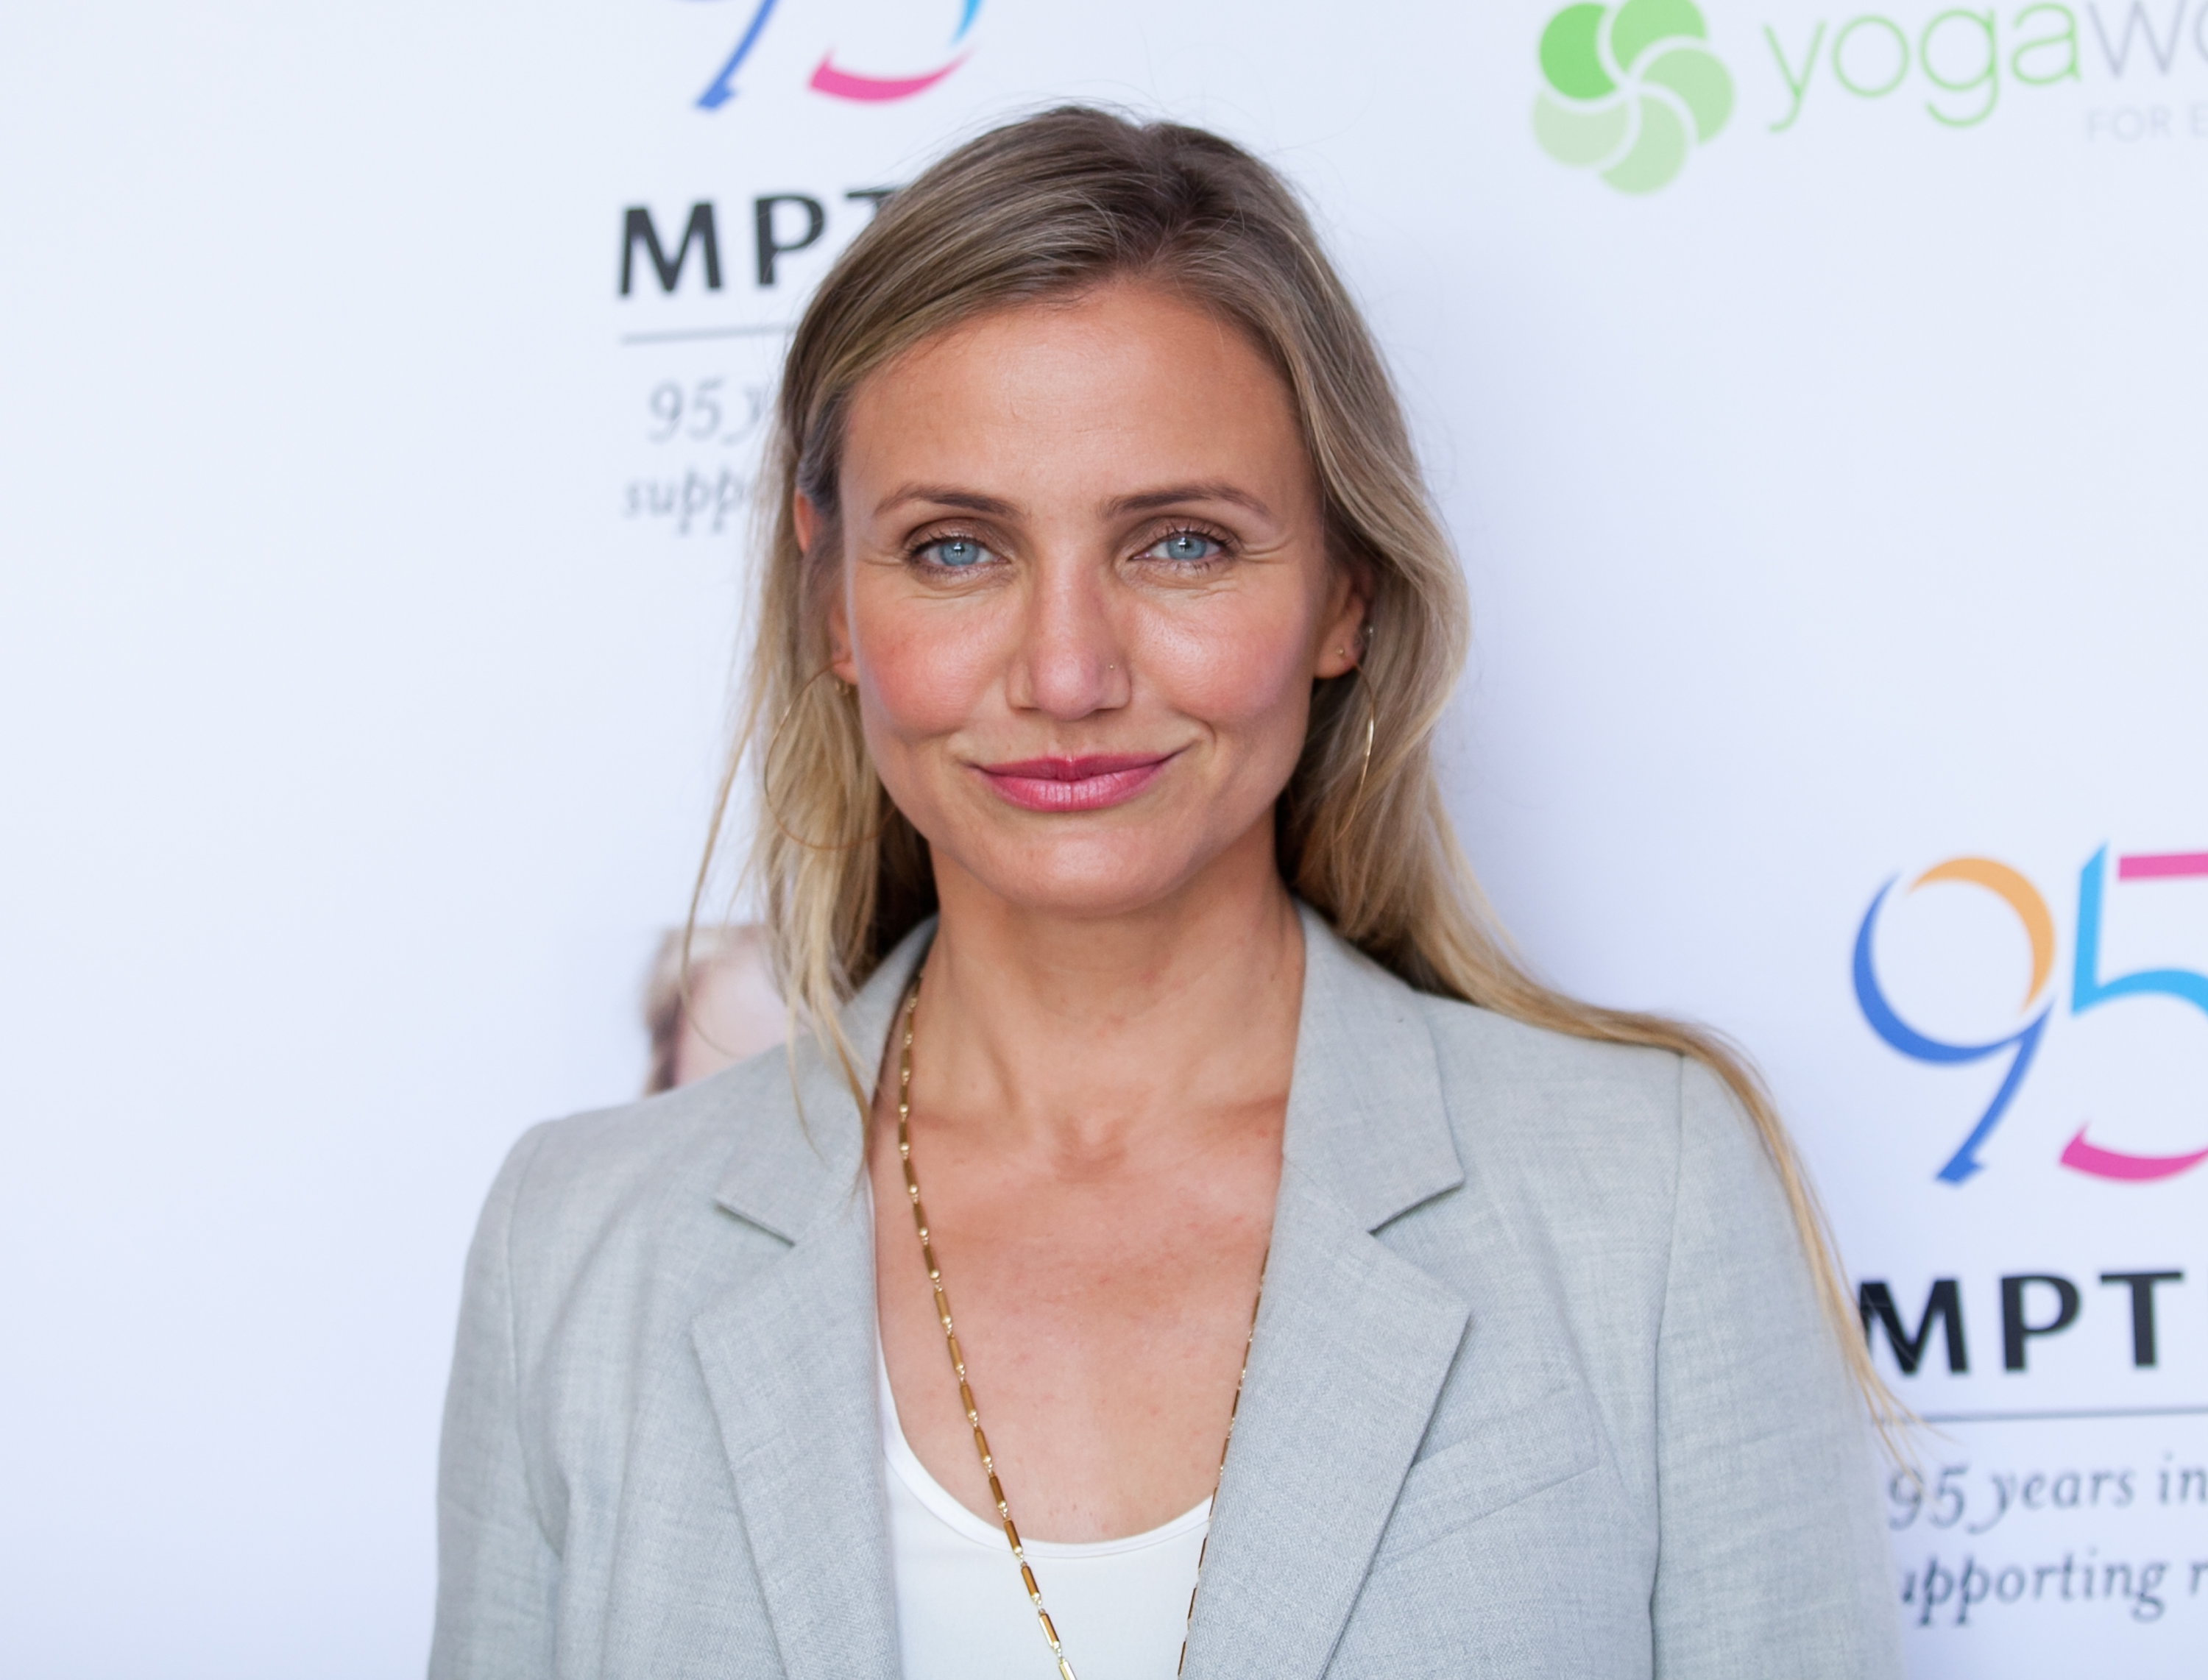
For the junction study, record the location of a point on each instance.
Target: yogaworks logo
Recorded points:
(1632, 89)
(2088, 990)
(834, 79)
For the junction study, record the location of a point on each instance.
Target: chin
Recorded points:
(1094, 875)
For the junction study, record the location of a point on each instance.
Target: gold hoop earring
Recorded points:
(1372, 711)
(1371, 727)
(766, 779)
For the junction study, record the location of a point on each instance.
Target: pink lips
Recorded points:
(1092, 783)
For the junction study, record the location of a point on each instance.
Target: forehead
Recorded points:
(1125, 383)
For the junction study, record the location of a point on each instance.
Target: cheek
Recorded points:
(925, 669)
(1246, 674)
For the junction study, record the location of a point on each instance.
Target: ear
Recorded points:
(1341, 626)
(806, 518)
(841, 658)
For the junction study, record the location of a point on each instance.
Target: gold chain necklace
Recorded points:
(966, 1392)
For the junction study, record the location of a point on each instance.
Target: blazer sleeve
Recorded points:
(498, 1575)
(1772, 1560)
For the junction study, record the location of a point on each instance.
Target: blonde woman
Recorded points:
(709, 1002)
(1179, 1234)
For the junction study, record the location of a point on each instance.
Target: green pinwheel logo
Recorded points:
(1631, 89)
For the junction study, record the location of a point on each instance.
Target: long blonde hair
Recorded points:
(1052, 205)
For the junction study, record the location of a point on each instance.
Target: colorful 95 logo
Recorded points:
(2088, 990)
(835, 79)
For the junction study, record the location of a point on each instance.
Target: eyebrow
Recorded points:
(1148, 502)
(943, 496)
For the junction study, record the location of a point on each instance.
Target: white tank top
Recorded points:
(1121, 1606)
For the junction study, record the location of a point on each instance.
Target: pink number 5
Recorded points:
(2089, 991)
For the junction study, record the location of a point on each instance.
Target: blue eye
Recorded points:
(1187, 546)
(955, 553)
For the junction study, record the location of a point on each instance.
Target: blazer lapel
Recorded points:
(1354, 1342)
(789, 1368)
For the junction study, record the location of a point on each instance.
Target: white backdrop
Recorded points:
(1831, 504)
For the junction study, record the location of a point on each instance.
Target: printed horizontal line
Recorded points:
(2058, 1417)
(2161, 866)
(677, 334)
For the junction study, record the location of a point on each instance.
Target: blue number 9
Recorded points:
(2021, 896)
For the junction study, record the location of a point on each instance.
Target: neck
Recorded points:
(1084, 1038)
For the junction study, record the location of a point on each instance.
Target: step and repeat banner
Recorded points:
(1816, 395)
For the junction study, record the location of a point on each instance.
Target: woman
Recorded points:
(709, 1002)
(1104, 629)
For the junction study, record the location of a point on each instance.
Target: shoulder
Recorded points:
(1545, 1105)
(1649, 1193)
(1623, 1191)
(662, 1198)
(590, 1165)
(1481, 1043)
(621, 1188)
(1608, 1140)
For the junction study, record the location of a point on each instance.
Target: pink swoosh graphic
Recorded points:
(2080, 1157)
(2161, 866)
(843, 85)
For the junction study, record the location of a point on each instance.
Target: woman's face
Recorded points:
(1085, 592)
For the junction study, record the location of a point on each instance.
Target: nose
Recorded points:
(1072, 662)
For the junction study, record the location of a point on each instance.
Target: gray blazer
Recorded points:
(1538, 1388)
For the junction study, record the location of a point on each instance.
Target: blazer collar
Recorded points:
(1353, 1341)
(788, 1361)
(1367, 1120)
(1365, 1115)
(785, 1173)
